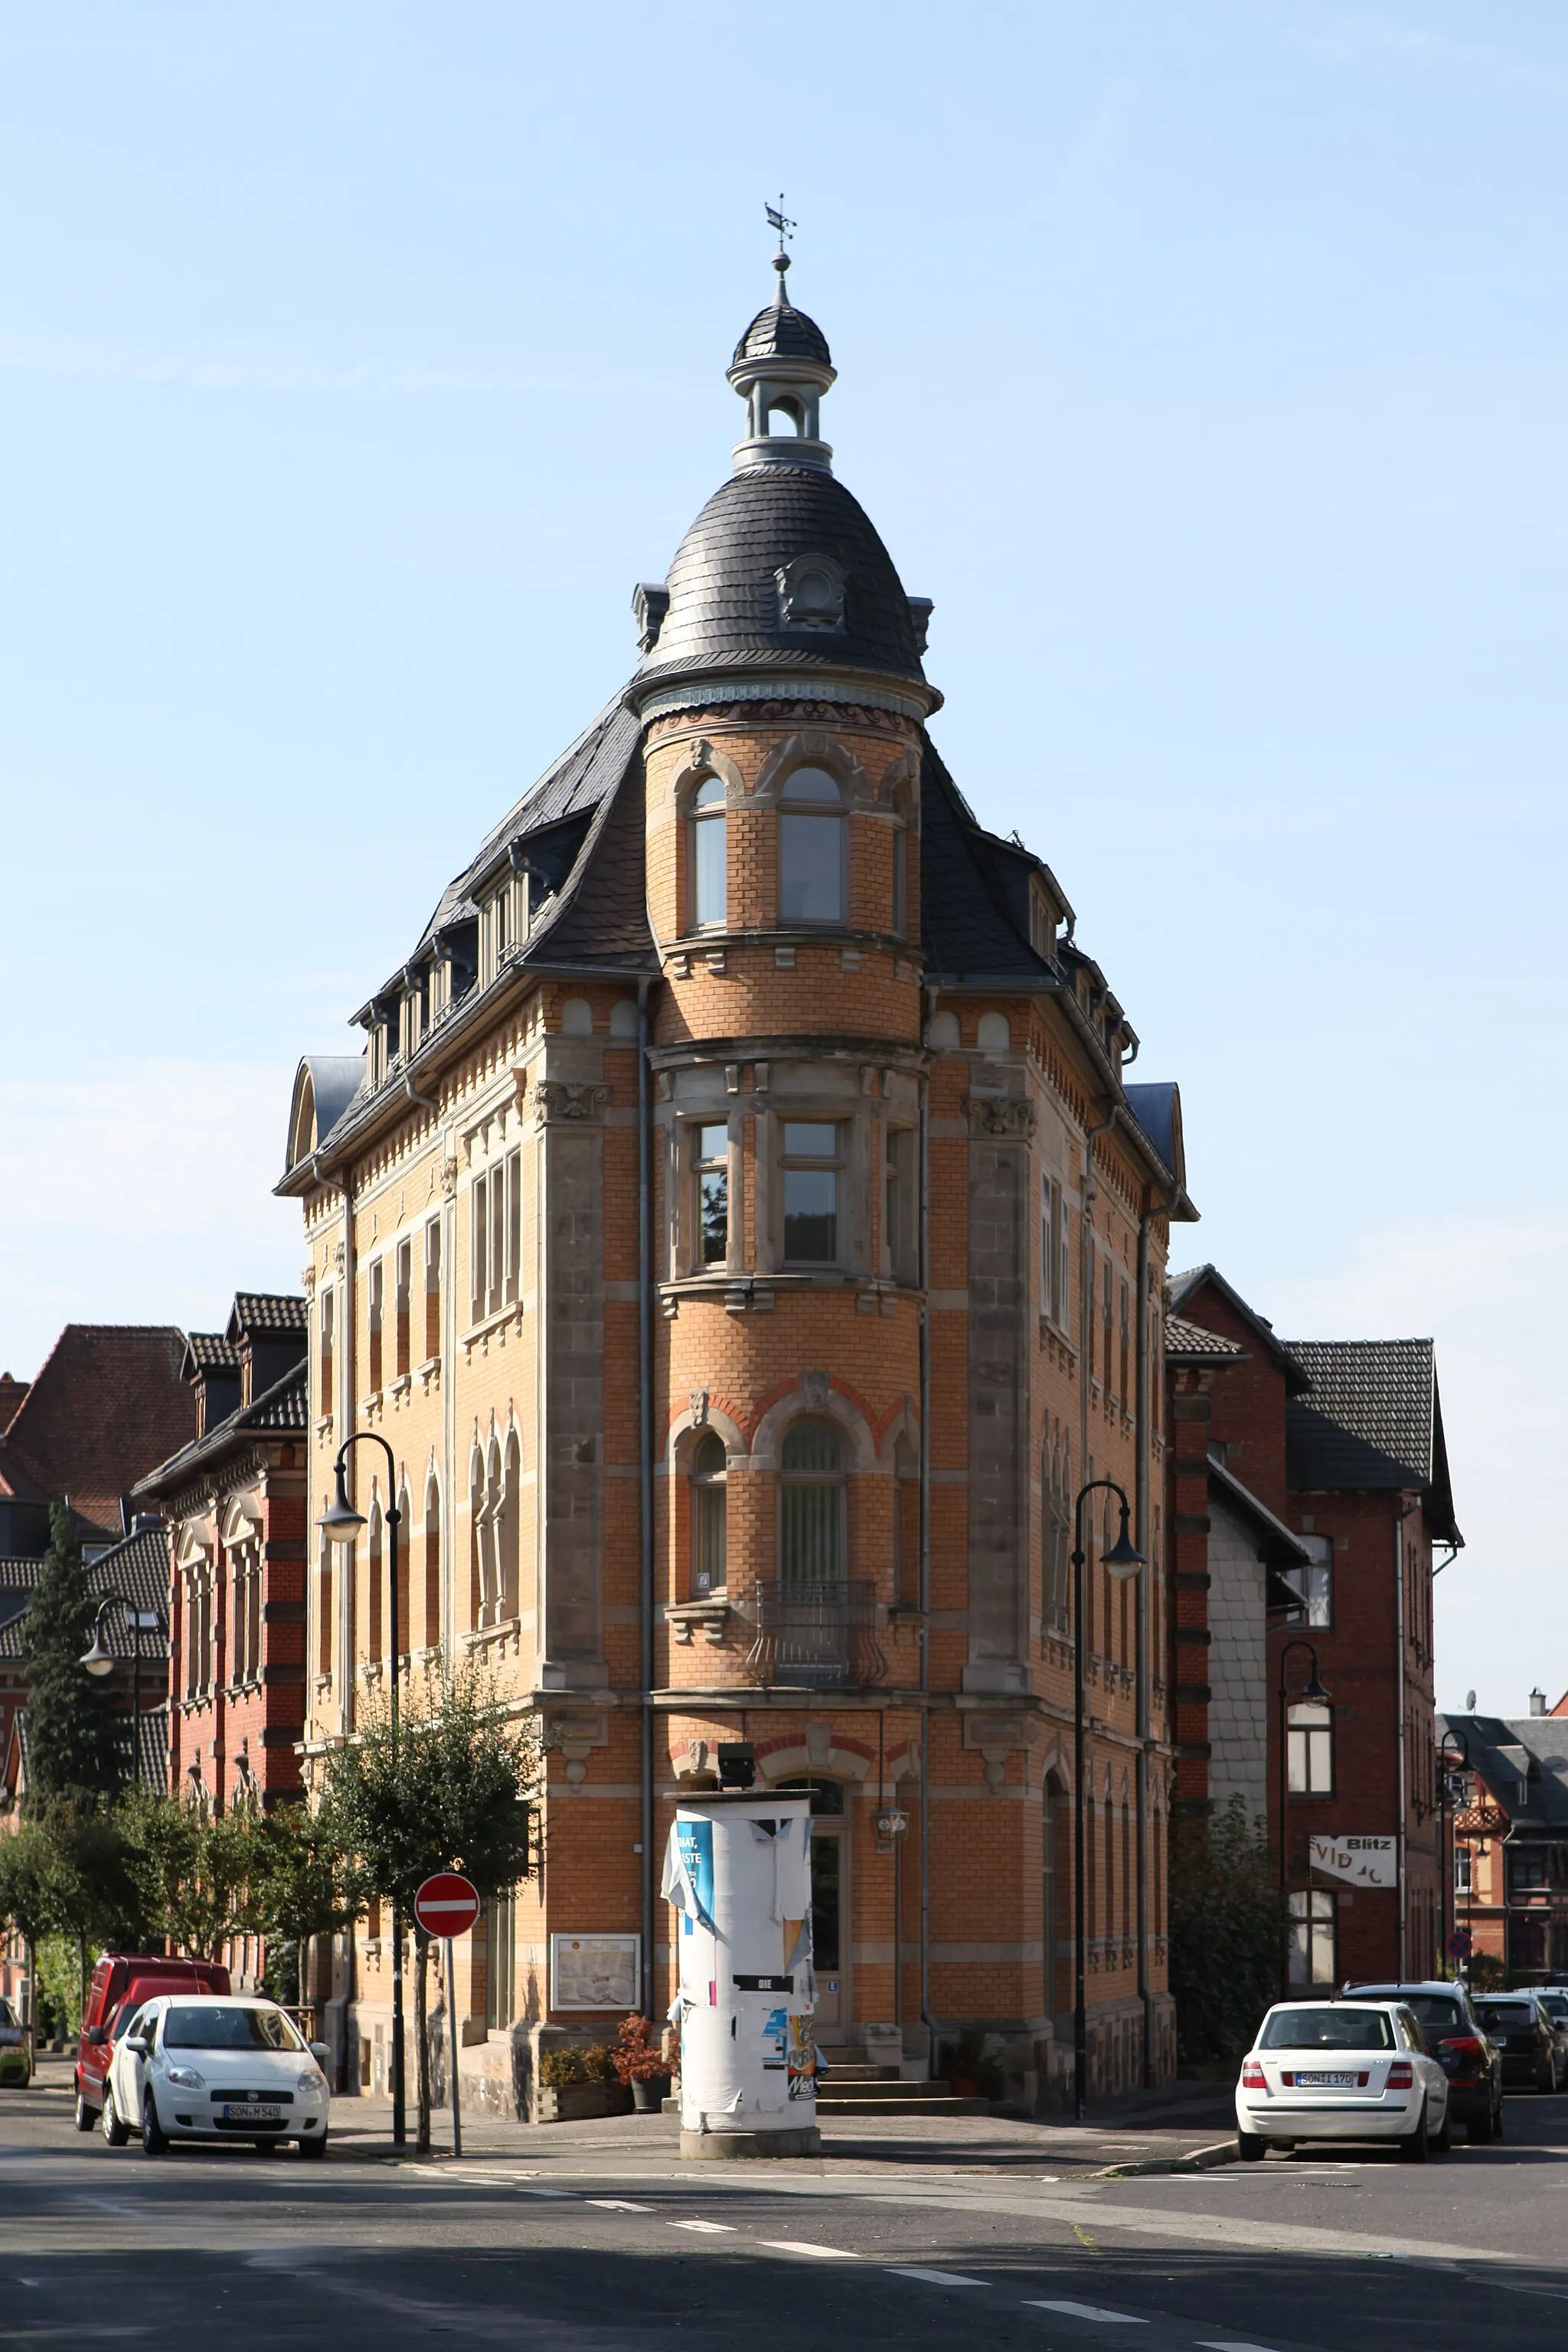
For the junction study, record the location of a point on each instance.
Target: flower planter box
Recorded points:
(579, 2103)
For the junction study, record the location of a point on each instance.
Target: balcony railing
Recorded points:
(815, 1636)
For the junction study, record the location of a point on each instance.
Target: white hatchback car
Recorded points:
(1342, 2070)
(205, 2066)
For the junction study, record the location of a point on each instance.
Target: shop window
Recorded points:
(708, 1509)
(811, 1170)
(811, 848)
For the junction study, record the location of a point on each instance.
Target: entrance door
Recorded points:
(829, 1927)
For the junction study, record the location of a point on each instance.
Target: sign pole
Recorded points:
(452, 2037)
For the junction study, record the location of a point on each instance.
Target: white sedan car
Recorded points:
(1342, 2070)
(206, 2066)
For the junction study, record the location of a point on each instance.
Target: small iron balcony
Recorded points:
(815, 1636)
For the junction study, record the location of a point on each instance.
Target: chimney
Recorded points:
(1538, 1702)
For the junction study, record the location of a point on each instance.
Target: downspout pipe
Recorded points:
(927, 2020)
(645, 1489)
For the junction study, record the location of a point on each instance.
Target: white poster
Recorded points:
(596, 1972)
(1357, 1861)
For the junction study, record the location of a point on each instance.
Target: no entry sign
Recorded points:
(446, 1904)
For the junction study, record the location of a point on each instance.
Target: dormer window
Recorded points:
(503, 923)
(811, 592)
(707, 839)
(811, 848)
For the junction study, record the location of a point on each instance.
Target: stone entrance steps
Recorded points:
(853, 2089)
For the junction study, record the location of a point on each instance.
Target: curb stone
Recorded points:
(1198, 2159)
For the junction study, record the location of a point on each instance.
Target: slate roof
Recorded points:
(108, 1403)
(282, 1410)
(138, 1572)
(1542, 1803)
(1372, 1419)
(969, 930)
(724, 598)
(781, 331)
(153, 1759)
(1189, 1343)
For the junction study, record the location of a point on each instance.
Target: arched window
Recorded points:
(324, 1609)
(376, 1597)
(905, 1524)
(479, 1577)
(432, 1563)
(995, 1034)
(1055, 1546)
(813, 1545)
(811, 848)
(507, 1527)
(707, 838)
(709, 1511)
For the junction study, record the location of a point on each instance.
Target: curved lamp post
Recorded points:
(1313, 1692)
(1122, 1560)
(99, 1661)
(340, 1524)
(1450, 1765)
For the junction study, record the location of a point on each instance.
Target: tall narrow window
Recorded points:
(431, 1565)
(900, 882)
(905, 1524)
(811, 1161)
(1047, 1246)
(1126, 1870)
(404, 1643)
(433, 1288)
(1124, 1334)
(480, 1244)
(507, 1527)
(253, 1619)
(512, 1280)
(1064, 1264)
(496, 1292)
(811, 848)
(328, 1317)
(376, 1279)
(898, 1203)
(404, 1264)
(478, 1562)
(1310, 1750)
(707, 837)
(1313, 1960)
(324, 1610)
(375, 1598)
(813, 1547)
(712, 1169)
(500, 1959)
(1105, 1316)
(1057, 1545)
(708, 1529)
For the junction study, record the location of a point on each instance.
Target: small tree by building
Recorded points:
(30, 1899)
(1228, 1931)
(76, 1733)
(453, 1794)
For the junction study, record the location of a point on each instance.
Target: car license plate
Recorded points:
(1328, 2082)
(252, 2114)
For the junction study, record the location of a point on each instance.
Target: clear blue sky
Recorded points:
(1205, 363)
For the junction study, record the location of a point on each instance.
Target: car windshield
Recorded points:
(1505, 2016)
(1435, 2011)
(1329, 2029)
(1555, 2002)
(229, 2028)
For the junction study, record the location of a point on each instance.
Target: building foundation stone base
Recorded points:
(718, 2147)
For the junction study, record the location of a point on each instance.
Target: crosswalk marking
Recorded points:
(934, 2278)
(799, 2246)
(1092, 2311)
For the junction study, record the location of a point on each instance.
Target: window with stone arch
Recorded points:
(706, 1478)
(707, 842)
(813, 1508)
(811, 842)
(1055, 1542)
(405, 1556)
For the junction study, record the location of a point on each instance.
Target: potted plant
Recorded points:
(639, 2062)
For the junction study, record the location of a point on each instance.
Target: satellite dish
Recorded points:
(1470, 1702)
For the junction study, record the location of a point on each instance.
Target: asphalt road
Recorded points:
(620, 2248)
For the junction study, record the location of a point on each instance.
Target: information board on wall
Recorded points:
(596, 1972)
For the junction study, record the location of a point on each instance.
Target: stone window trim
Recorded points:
(689, 1135)
(813, 747)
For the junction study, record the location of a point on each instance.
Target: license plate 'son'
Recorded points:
(252, 2115)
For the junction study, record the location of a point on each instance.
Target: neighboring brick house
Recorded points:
(741, 1232)
(1340, 1445)
(233, 1504)
(1508, 1835)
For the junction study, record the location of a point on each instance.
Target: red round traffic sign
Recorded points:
(446, 1904)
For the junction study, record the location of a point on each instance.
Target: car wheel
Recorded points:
(1413, 2146)
(1497, 2118)
(1482, 2128)
(1253, 2146)
(86, 2116)
(114, 2131)
(317, 2147)
(1443, 2140)
(154, 2138)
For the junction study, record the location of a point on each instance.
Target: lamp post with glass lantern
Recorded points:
(340, 1524)
(1312, 1694)
(1121, 1560)
(99, 1661)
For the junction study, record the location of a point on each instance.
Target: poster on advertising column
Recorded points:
(1355, 1860)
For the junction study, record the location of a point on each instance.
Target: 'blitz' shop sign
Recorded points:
(1357, 1861)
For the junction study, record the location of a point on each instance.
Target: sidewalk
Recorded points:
(1156, 2128)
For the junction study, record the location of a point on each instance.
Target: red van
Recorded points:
(121, 1983)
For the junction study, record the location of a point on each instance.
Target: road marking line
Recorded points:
(1224, 2343)
(1092, 2311)
(620, 2205)
(799, 2246)
(725, 2228)
(934, 2278)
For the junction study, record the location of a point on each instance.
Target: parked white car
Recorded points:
(1342, 2070)
(208, 2066)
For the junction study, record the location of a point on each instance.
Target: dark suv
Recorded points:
(1532, 2052)
(1468, 2054)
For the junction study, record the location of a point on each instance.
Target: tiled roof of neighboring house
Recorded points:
(1184, 1293)
(209, 1352)
(1189, 1343)
(1373, 1419)
(108, 1403)
(282, 1408)
(137, 1571)
(11, 1392)
(1277, 1544)
(153, 1746)
(1523, 1763)
(268, 1310)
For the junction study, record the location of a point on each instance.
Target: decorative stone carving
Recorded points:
(567, 1098)
(1004, 1117)
(698, 1401)
(813, 1388)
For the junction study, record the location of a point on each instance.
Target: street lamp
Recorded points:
(99, 1661)
(1448, 1773)
(340, 1523)
(1122, 1560)
(1314, 1695)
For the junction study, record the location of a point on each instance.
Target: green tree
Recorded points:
(451, 1795)
(196, 1873)
(1227, 1933)
(76, 1732)
(31, 1896)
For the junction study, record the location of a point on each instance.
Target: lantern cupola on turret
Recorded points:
(781, 370)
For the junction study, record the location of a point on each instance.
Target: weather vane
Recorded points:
(778, 219)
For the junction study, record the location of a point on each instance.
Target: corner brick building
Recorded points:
(741, 1228)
